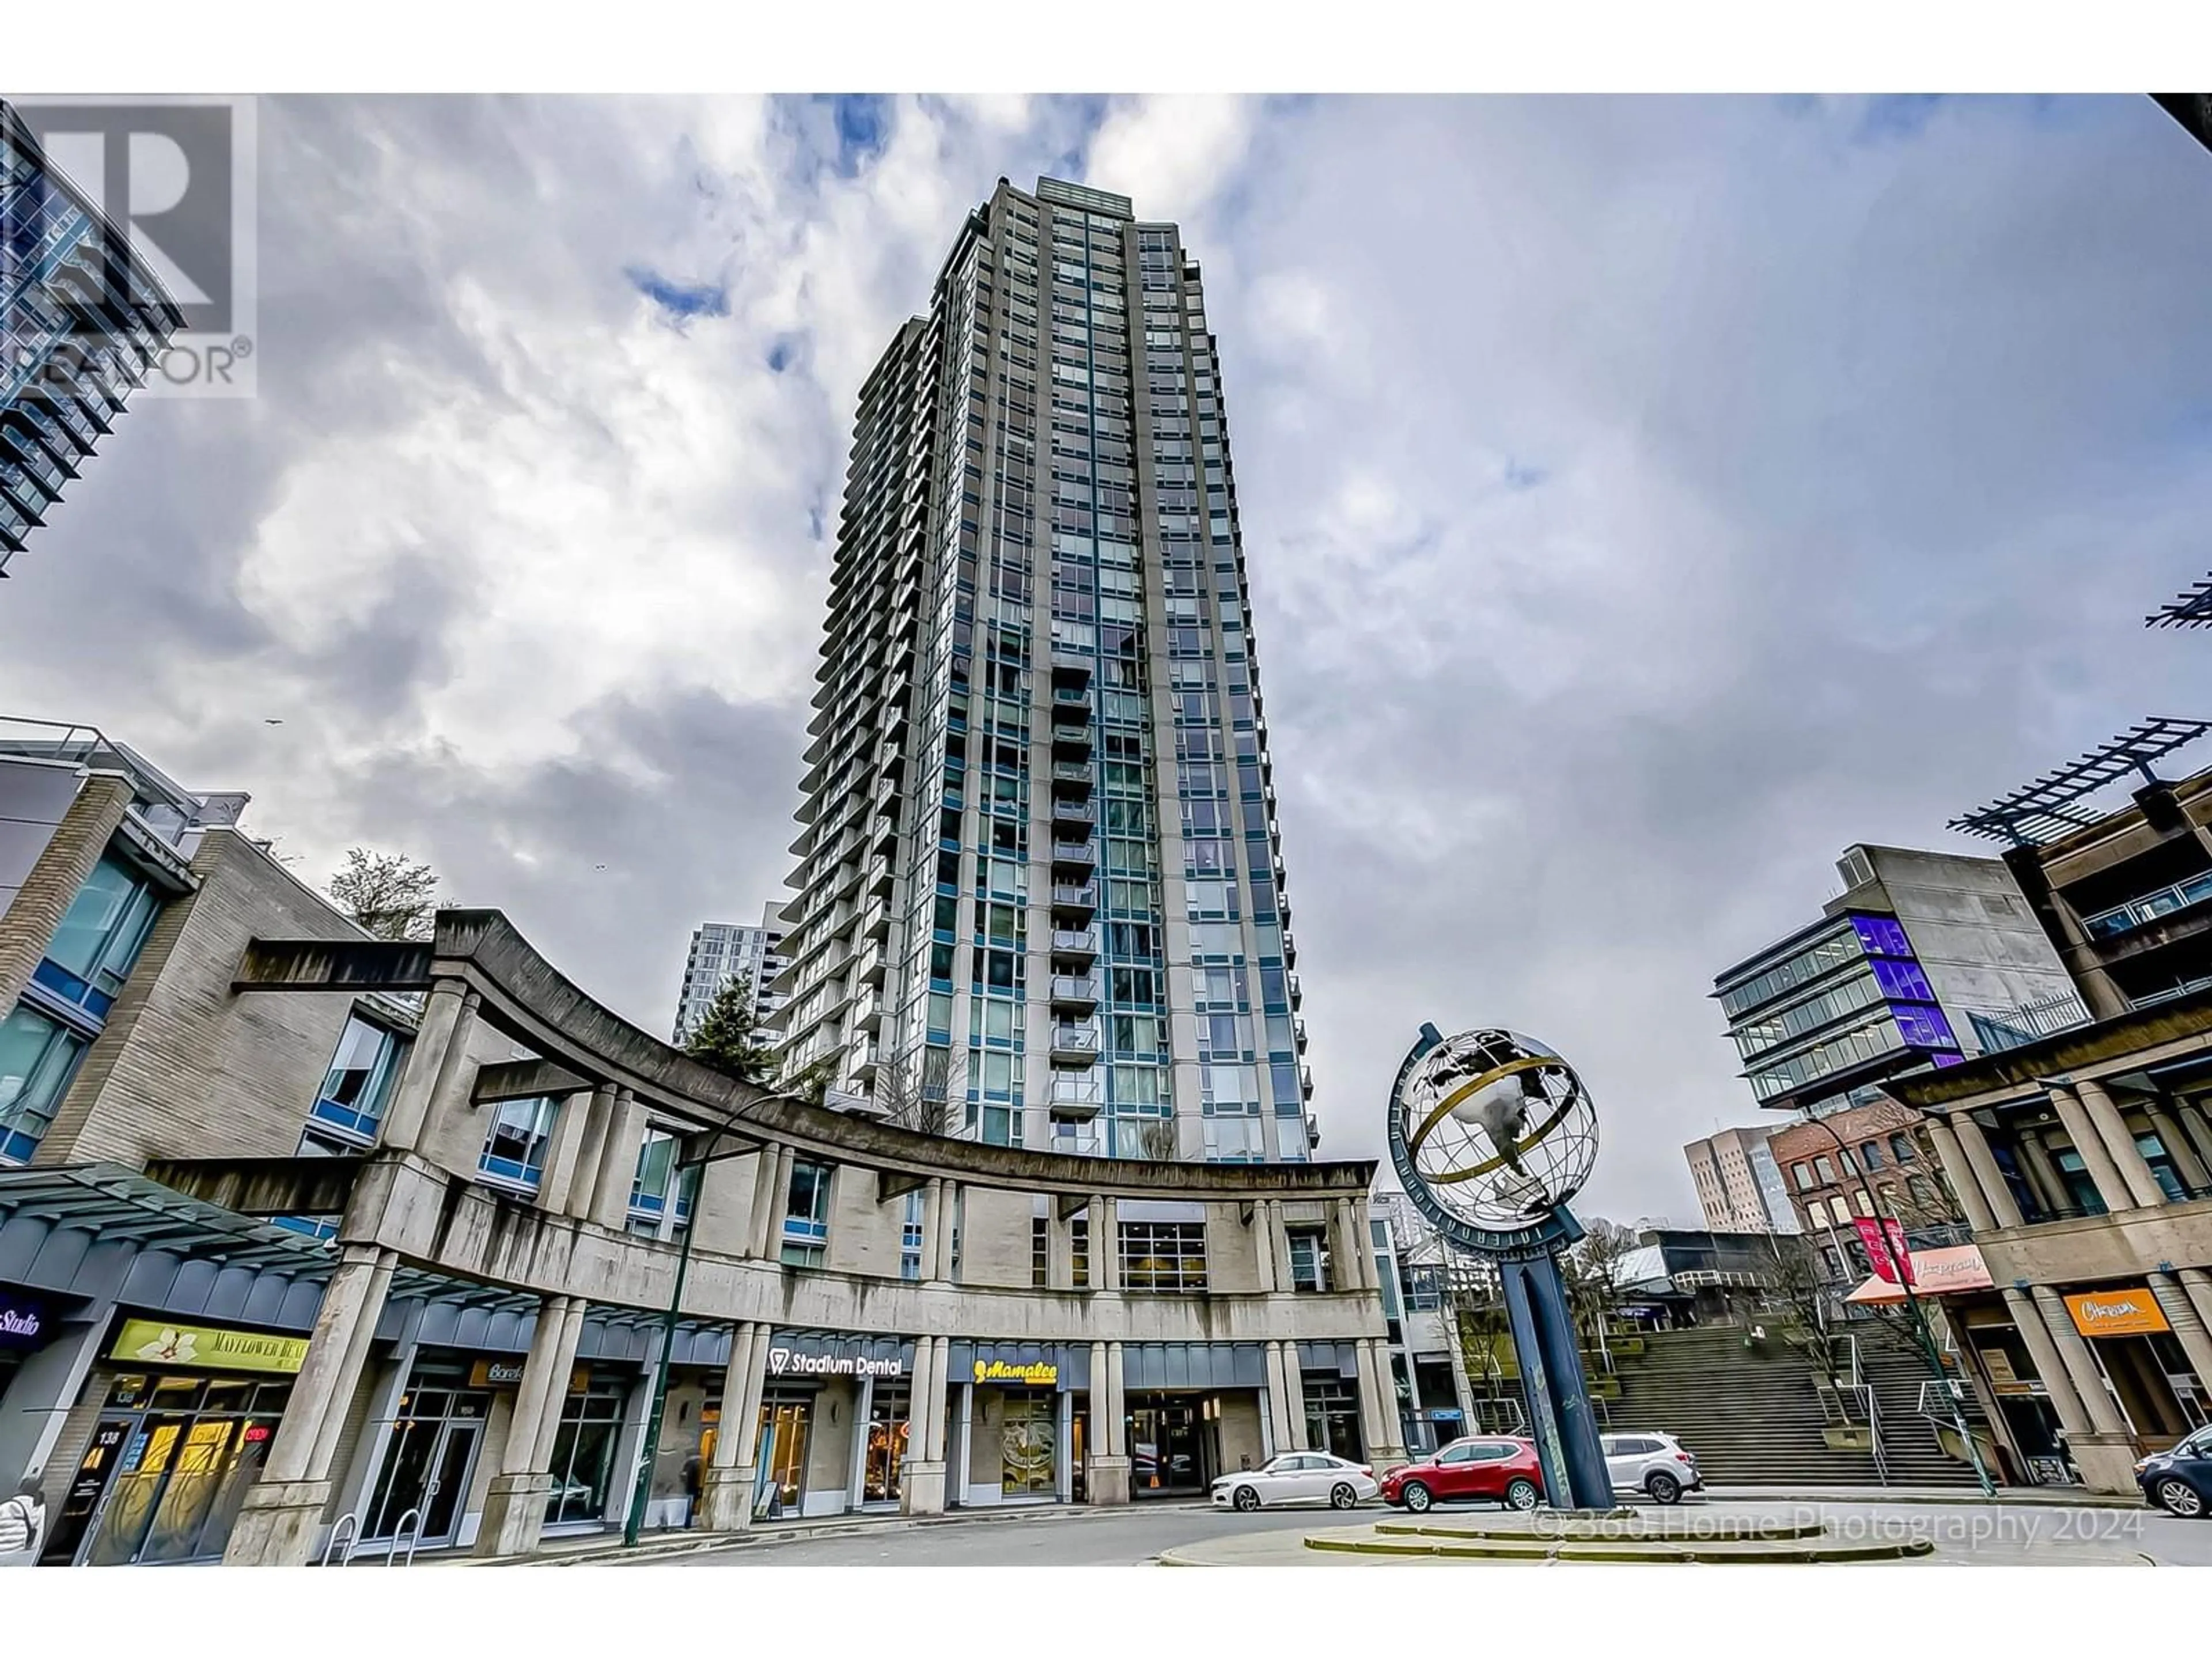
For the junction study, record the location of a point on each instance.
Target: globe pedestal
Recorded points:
(1553, 1385)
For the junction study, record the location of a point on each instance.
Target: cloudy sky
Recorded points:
(1644, 499)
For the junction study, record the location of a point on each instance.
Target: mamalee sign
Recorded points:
(1041, 1373)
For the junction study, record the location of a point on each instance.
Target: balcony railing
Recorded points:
(1077, 1044)
(2024, 1022)
(1076, 942)
(2142, 911)
(1075, 991)
(1081, 896)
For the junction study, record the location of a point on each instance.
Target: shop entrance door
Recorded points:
(1164, 1447)
(427, 1464)
(887, 1430)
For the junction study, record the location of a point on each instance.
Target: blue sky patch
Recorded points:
(679, 301)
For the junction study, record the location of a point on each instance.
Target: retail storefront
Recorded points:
(1017, 1429)
(1328, 1379)
(186, 1418)
(833, 1423)
(2141, 1361)
(1194, 1411)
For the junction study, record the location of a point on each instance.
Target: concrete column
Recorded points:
(2104, 1174)
(950, 1217)
(514, 1505)
(2194, 1175)
(1263, 1249)
(1060, 1252)
(282, 1513)
(2043, 1349)
(1363, 1224)
(1105, 1244)
(775, 1176)
(37, 1402)
(857, 1465)
(619, 1162)
(933, 1224)
(598, 1115)
(2104, 1114)
(1278, 1240)
(358, 1486)
(434, 1061)
(2042, 1173)
(2081, 1365)
(2196, 1286)
(1378, 1405)
(1063, 1457)
(2189, 1327)
(1109, 1433)
(960, 1457)
(1294, 1398)
(1345, 1270)
(630, 1437)
(51, 886)
(922, 1482)
(1984, 1164)
(571, 1128)
(726, 1487)
(2198, 1132)
(1960, 1174)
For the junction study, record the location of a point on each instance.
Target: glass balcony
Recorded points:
(1072, 779)
(2142, 911)
(1077, 1097)
(1075, 992)
(1075, 1044)
(1079, 815)
(1074, 902)
(1077, 945)
(1071, 742)
(1075, 856)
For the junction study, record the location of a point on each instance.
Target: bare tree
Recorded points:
(391, 895)
(922, 1099)
(1592, 1270)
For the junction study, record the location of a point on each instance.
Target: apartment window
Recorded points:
(1828, 1170)
(359, 1081)
(1166, 1257)
(1308, 1258)
(514, 1151)
(910, 1238)
(662, 1193)
(1078, 1238)
(1900, 1147)
(1040, 1253)
(1803, 1175)
(1871, 1155)
(37, 1058)
(806, 1217)
(100, 937)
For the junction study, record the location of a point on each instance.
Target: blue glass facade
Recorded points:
(83, 323)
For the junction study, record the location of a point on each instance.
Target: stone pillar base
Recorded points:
(725, 1499)
(278, 1524)
(1106, 1480)
(2108, 1462)
(514, 1514)
(921, 1489)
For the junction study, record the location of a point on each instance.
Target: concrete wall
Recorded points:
(1242, 1446)
(1974, 932)
(994, 1238)
(864, 1235)
(187, 1068)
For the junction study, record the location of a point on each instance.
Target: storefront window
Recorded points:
(787, 1421)
(1332, 1415)
(584, 1451)
(887, 1443)
(427, 1459)
(168, 1468)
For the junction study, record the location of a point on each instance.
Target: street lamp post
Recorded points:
(641, 1493)
(1921, 1331)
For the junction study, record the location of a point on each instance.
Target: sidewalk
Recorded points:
(2068, 1498)
(605, 1549)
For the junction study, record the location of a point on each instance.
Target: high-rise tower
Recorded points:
(1039, 887)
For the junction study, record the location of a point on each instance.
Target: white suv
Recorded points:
(1653, 1463)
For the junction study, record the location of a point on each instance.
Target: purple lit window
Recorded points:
(1881, 936)
(1922, 1025)
(1901, 981)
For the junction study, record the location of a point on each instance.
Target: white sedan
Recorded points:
(1298, 1478)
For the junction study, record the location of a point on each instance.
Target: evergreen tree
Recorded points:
(728, 1037)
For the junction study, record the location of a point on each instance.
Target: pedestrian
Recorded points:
(691, 1489)
(22, 1525)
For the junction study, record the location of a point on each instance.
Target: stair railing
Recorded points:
(1871, 1404)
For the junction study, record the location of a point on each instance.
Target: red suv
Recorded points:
(1494, 1467)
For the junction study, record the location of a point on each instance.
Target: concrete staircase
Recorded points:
(1754, 1418)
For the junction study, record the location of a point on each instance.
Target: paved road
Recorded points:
(1966, 1534)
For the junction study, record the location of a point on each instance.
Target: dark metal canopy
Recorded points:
(2050, 808)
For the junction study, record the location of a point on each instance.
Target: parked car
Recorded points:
(1497, 1467)
(2180, 1480)
(1656, 1464)
(1298, 1478)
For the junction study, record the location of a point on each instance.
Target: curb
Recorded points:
(2005, 1498)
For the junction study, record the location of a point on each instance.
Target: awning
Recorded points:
(1935, 1273)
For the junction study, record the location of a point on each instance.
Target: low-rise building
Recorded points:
(1854, 1162)
(321, 1241)
(1739, 1184)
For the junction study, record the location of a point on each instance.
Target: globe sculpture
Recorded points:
(1491, 1133)
(1499, 1129)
